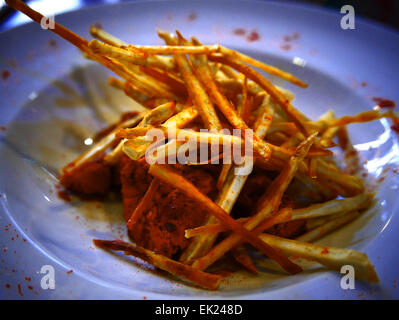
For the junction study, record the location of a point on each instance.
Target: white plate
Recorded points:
(48, 105)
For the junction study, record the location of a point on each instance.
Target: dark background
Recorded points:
(382, 11)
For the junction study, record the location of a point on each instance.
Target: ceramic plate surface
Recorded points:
(52, 100)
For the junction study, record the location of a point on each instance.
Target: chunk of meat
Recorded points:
(89, 179)
(135, 180)
(161, 227)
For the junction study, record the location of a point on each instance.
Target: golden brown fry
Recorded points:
(332, 258)
(241, 255)
(106, 37)
(172, 50)
(268, 205)
(181, 271)
(194, 87)
(266, 85)
(329, 226)
(263, 66)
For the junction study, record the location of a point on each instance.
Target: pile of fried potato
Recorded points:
(185, 80)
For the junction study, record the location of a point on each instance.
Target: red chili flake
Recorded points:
(64, 196)
(325, 251)
(5, 250)
(253, 36)
(3, 128)
(395, 127)
(13, 270)
(28, 279)
(192, 16)
(20, 290)
(363, 84)
(384, 103)
(286, 47)
(52, 43)
(5, 74)
(12, 239)
(296, 35)
(144, 298)
(8, 286)
(24, 240)
(239, 31)
(69, 271)
(287, 38)
(30, 287)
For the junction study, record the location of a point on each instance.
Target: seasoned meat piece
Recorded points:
(89, 179)
(161, 227)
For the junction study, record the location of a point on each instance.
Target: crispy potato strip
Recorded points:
(179, 270)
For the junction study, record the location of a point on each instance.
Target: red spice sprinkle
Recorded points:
(395, 127)
(296, 35)
(384, 103)
(192, 16)
(8, 286)
(5, 74)
(3, 128)
(52, 43)
(286, 47)
(64, 196)
(20, 290)
(30, 287)
(325, 251)
(287, 38)
(363, 84)
(253, 36)
(69, 272)
(28, 279)
(239, 31)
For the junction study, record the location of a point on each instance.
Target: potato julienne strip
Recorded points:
(205, 76)
(360, 117)
(229, 192)
(241, 255)
(76, 40)
(106, 37)
(267, 86)
(268, 204)
(132, 92)
(253, 88)
(167, 175)
(329, 226)
(71, 37)
(152, 117)
(263, 66)
(58, 29)
(129, 57)
(102, 145)
(137, 147)
(182, 271)
(194, 87)
(172, 50)
(332, 258)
